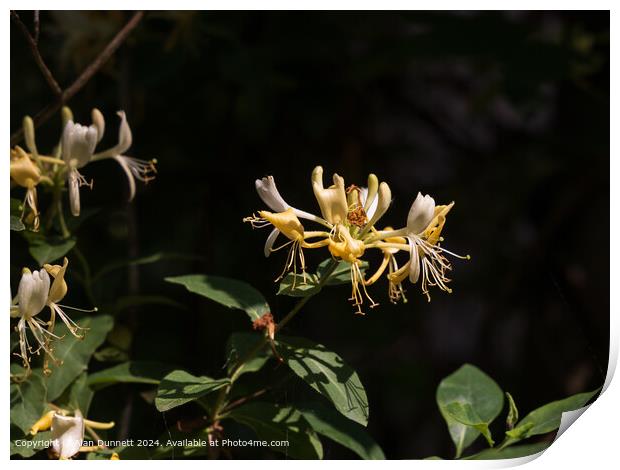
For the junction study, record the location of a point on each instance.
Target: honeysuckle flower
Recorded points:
(268, 192)
(426, 256)
(351, 215)
(67, 431)
(78, 149)
(134, 168)
(34, 293)
(26, 174)
(67, 434)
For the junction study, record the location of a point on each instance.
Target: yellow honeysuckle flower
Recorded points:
(26, 174)
(351, 215)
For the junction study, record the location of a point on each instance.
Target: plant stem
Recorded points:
(221, 399)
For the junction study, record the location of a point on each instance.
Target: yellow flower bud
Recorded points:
(43, 424)
(23, 170)
(287, 222)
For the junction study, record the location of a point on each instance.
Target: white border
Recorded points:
(593, 441)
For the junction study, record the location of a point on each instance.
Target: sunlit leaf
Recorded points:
(272, 422)
(547, 418)
(180, 387)
(328, 374)
(228, 292)
(141, 372)
(509, 452)
(476, 393)
(331, 424)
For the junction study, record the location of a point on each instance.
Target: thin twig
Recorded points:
(37, 27)
(44, 114)
(34, 49)
(242, 400)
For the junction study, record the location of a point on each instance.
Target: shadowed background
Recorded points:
(506, 113)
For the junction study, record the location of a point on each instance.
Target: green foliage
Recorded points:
(75, 353)
(296, 285)
(16, 213)
(228, 292)
(28, 402)
(239, 345)
(509, 452)
(272, 422)
(180, 387)
(328, 374)
(331, 424)
(469, 400)
(140, 372)
(547, 418)
(47, 249)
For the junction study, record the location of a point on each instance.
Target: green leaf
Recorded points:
(272, 422)
(141, 372)
(331, 424)
(547, 418)
(509, 452)
(75, 353)
(28, 402)
(328, 374)
(27, 446)
(238, 345)
(295, 285)
(513, 412)
(341, 274)
(469, 386)
(228, 292)
(47, 250)
(80, 394)
(111, 354)
(16, 224)
(465, 414)
(180, 387)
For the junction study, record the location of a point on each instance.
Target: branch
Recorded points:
(48, 111)
(34, 49)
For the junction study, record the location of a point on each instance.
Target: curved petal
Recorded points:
(268, 192)
(67, 434)
(271, 239)
(414, 267)
(74, 191)
(130, 179)
(420, 214)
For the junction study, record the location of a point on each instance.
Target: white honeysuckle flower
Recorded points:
(34, 293)
(67, 434)
(134, 168)
(420, 214)
(32, 297)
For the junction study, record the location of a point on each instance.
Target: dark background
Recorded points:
(506, 113)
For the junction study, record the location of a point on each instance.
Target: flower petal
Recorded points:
(420, 214)
(271, 239)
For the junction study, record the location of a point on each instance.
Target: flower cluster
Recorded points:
(75, 150)
(35, 292)
(349, 216)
